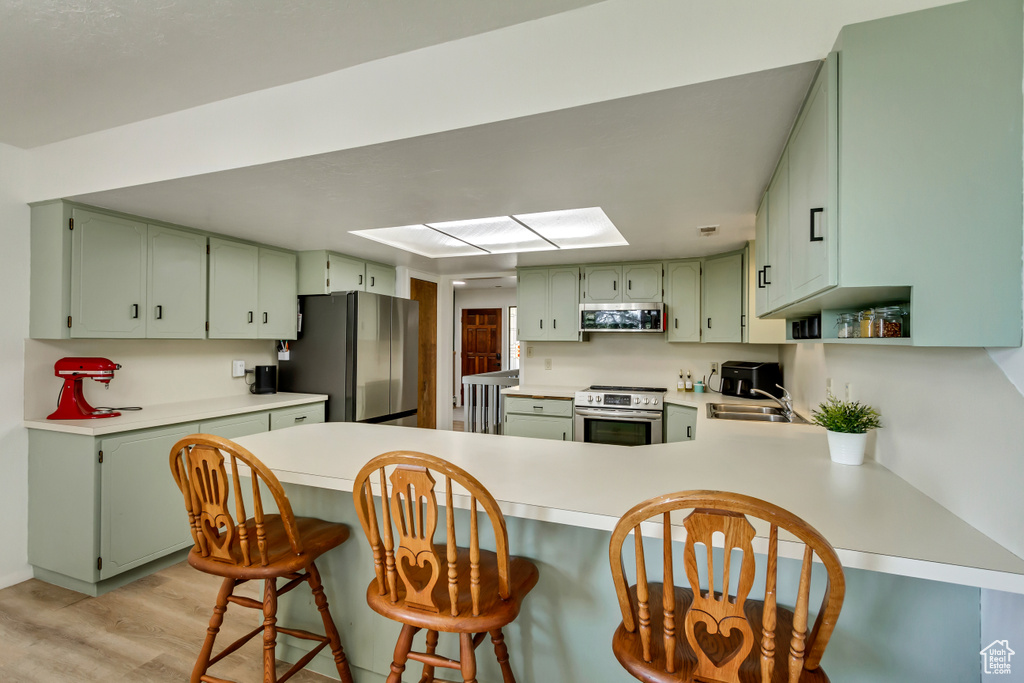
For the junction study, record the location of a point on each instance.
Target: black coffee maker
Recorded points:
(265, 381)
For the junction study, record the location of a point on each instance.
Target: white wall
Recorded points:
(630, 360)
(152, 371)
(481, 298)
(951, 423)
(14, 278)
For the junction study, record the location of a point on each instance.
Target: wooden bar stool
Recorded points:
(720, 628)
(268, 547)
(482, 591)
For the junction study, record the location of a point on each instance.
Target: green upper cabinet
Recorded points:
(722, 316)
(761, 256)
(324, 272)
(548, 303)
(625, 282)
(108, 273)
(682, 300)
(277, 295)
(176, 290)
(234, 294)
(775, 271)
(380, 279)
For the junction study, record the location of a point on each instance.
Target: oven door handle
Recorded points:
(624, 415)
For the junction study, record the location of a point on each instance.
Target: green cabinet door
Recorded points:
(235, 426)
(776, 273)
(176, 287)
(722, 288)
(142, 512)
(277, 295)
(682, 299)
(563, 304)
(299, 415)
(380, 279)
(601, 283)
(811, 173)
(761, 257)
(347, 274)
(234, 279)
(538, 427)
(108, 276)
(641, 282)
(680, 423)
(532, 302)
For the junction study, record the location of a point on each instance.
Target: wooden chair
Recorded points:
(483, 590)
(268, 547)
(721, 628)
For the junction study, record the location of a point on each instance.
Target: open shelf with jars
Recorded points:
(886, 323)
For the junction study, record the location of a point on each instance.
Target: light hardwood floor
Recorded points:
(148, 631)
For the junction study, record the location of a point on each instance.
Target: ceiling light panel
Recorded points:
(419, 239)
(498, 235)
(575, 228)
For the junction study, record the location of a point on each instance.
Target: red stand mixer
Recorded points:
(71, 404)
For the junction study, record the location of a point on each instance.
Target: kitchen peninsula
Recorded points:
(562, 498)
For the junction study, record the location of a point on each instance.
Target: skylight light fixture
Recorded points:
(548, 231)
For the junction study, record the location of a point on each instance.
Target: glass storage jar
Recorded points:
(848, 326)
(867, 319)
(888, 321)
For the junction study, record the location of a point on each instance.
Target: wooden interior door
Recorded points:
(481, 341)
(426, 405)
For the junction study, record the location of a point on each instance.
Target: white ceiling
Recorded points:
(659, 164)
(77, 66)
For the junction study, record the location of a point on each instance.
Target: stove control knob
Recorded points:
(590, 398)
(647, 400)
(597, 398)
(636, 399)
(655, 401)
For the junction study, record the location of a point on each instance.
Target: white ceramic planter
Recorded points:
(847, 449)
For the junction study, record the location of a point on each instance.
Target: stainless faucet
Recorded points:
(786, 402)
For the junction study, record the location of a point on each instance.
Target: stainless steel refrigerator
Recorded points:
(361, 349)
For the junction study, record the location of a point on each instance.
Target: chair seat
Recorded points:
(629, 650)
(318, 536)
(494, 612)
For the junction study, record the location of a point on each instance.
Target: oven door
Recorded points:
(617, 427)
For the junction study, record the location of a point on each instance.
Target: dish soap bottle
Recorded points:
(681, 384)
(689, 381)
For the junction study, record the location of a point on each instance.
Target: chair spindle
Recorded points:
(373, 531)
(452, 549)
(642, 595)
(243, 528)
(257, 514)
(768, 617)
(389, 543)
(474, 557)
(669, 598)
(796, 648)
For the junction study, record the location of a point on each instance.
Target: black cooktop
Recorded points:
(601, 387)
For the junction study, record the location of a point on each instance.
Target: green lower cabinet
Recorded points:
(236, 426)
(299, 415)
(680, 423)
(142, 512)
(539, 427)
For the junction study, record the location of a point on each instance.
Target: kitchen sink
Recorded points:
(735, 411)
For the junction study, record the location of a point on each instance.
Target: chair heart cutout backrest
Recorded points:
(716, 625)
(409, 504)
(199, 469)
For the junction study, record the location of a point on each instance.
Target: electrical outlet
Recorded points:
(547, 363)
(714, 368)
(238, 368)
(849, 392)
(828, 385)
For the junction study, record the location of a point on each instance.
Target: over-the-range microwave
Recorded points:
(622, 317)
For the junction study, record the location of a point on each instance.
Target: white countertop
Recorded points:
(875, 519)
(174, 413)
(540, 391)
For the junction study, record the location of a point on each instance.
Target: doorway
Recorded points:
(481, 341)
(426, 403)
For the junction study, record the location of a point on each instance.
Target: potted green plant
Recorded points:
(848, 424)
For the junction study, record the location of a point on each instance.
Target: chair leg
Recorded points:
(313, 578)
(270, 631)
(467, 657)
(402, 653)
(227, 587)
(501, 652)
(428, 669)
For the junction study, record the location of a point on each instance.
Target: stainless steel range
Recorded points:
(624, 416)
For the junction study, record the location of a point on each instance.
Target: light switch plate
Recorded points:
(238, 368)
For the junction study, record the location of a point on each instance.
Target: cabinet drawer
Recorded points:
(236, 426)
(300, 415)
(556, 407)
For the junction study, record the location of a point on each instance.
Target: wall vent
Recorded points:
(708, 230)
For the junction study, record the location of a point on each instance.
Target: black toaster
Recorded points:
(739, 377)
